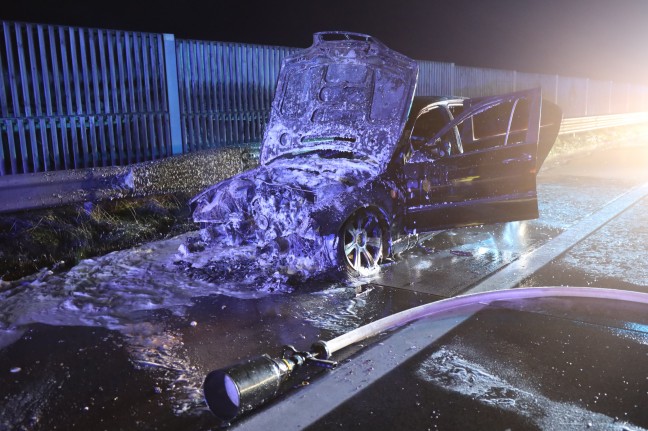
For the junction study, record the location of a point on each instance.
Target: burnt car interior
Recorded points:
(501, 124)
(428, 123)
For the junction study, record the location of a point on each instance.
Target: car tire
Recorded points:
(361, 242)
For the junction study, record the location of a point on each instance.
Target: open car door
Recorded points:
(480, 167)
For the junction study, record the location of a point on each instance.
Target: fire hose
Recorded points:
(229, 392)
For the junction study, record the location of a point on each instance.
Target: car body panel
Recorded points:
(347, 135)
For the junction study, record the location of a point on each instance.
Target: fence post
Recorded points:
(171, 67)
(515, 80)
(452, 79)
(586, 96)
(627, 98)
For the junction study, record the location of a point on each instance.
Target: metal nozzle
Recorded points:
(232, 391)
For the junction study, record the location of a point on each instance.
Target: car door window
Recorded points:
(519, 122)
(502, 123)
(427, 126)
(455, 110)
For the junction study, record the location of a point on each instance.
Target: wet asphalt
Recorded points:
(520, 361)
(529, 365)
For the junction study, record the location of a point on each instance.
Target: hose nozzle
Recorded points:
(232, 391)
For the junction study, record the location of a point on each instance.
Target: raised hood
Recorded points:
(346, 93)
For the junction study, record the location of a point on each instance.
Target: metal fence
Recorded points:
(75, 98)
(78, 98)
(225, 91)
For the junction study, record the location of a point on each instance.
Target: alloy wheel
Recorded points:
(362, 242)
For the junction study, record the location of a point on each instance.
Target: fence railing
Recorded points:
(578, 97)
(77, 98)
(586, 124)
(225, 91)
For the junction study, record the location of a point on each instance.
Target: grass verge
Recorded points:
(59, 237)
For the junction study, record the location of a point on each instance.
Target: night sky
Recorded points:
(599, 39)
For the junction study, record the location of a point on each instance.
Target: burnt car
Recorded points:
(354, 168)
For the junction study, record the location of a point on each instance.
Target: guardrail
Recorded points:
(586, 124)
(187, 173)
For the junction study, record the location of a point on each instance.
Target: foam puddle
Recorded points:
(108, 290)
(124, 290)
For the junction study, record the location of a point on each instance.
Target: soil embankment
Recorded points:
(59, 237)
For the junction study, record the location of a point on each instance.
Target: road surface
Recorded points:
(124, 341)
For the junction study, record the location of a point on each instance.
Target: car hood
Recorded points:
(347, 92)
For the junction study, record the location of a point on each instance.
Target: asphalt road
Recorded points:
(82, 354)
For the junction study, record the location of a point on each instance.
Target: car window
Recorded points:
(505, 123)
(427, 125)
(456, 110)
(492, 122)
(519, 122)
